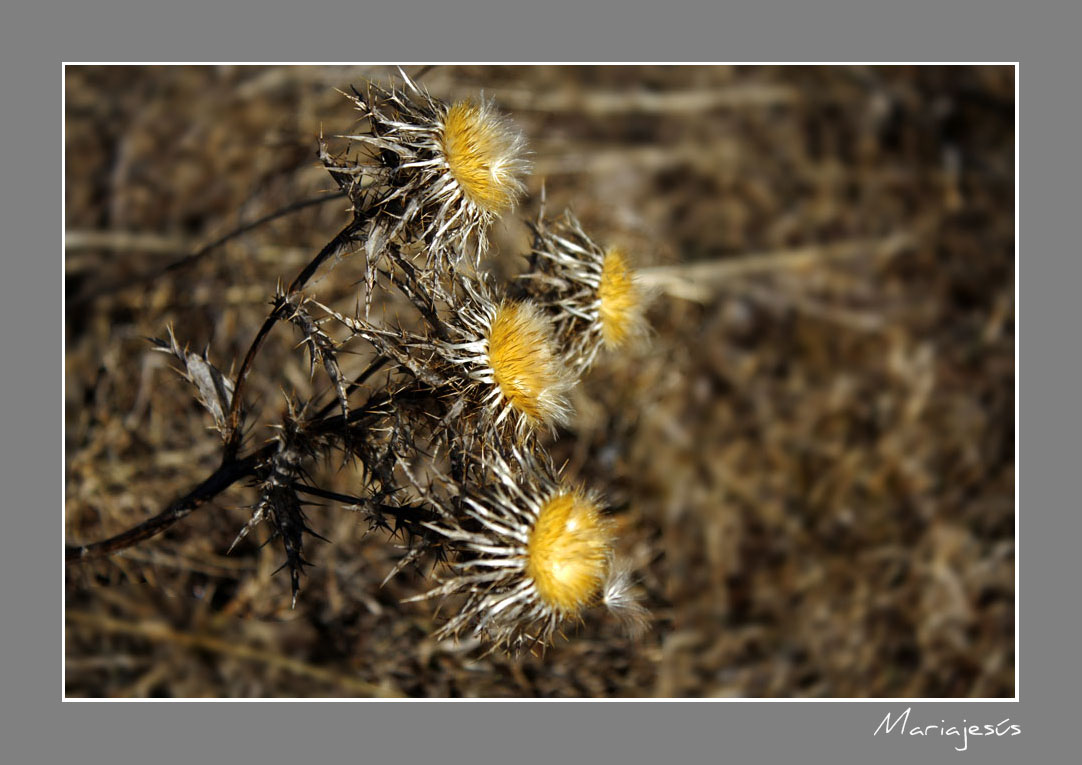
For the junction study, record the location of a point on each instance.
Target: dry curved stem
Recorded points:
(341, 241)
(135, 242)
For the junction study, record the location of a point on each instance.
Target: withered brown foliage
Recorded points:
(811, 465)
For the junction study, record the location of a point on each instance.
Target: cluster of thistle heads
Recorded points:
(449, 445)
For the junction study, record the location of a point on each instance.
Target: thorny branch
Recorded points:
(221, 479)
(448, 442)
(333, 248)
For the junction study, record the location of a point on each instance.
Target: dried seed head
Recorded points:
(507, 354)
(533, 555)
(591, 291)
(619, 302)
(524, 365)
(441, 173)
(484, 155)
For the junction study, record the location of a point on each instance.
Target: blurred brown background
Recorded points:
(811, 463)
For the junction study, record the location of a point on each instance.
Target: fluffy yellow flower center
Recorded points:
(620, 304)
(523, 363)
(479, 151)
(568, 553)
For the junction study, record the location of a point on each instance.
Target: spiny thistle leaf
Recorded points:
(214, 389)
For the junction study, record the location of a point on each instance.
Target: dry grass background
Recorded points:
(812, 462)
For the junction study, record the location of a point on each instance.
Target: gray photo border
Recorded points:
(38, 727)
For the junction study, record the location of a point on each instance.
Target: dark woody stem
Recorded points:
(228, 473)
(345, 239)
(220, 480)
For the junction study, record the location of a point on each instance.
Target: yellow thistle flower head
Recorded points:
(567, 555)
(593, 292)
(619, 300)
(525, 366)
(484, 155)
(509, 357)
(442, 172)
(534, 555)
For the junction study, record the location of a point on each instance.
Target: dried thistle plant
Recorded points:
(465, 391)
